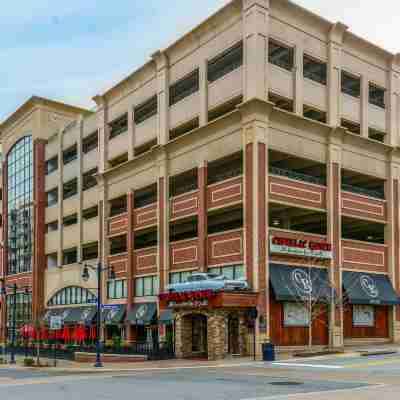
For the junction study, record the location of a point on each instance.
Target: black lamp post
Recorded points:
(85, 276)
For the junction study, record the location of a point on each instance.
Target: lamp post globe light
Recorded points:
(85, 276)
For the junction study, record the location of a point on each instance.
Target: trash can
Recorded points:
(268, 351)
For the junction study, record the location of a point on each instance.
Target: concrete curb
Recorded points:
(368, 353)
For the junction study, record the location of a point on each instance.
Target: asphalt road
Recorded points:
(318, 378)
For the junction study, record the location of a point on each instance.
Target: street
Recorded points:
(334, 377)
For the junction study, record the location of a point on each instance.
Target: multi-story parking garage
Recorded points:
(263, 145)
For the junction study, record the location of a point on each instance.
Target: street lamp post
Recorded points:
(85, 276)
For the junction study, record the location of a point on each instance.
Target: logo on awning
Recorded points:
(141, 311)
(302, 282)
(369, 286)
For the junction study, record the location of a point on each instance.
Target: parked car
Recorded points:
(206, 281)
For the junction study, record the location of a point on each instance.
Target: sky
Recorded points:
(72, 50)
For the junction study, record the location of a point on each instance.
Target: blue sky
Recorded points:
(71, 50)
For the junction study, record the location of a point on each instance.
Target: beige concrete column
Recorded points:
(255, 46)
(334, 161)
(131, 132)
(103, 129)
(203, 119)
(364, 104)
(162, 67)
(298, 80)
(255, 121)
(60, 198)
(335, 41)
(80, 188)
(392, 101)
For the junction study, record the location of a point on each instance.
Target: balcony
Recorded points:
(184, 254)
(364, 256)
(229, 86)
(145, 260)
(224, 193)
(119, 262)
(379, 194)
(225, 248)
(184, 205)
(145, 216)
(118, 224)
(296, 188)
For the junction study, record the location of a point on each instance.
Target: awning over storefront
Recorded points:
(114, 315)
(142, 314)
(363, 288)
(166, 317)
(298, 283)
(80, 315)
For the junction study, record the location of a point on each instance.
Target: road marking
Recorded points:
(290, 364)
(373, 363)
(318, 394)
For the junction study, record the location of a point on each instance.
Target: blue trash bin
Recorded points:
(268, 351)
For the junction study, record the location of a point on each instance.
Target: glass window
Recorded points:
(91, 212)
(351, 126)
(51, 165)
(351, 84)
(90, 251)
(70, 256)
(313, 113)
(314, 70)
(376, 135)
(281, 102)
(118, 126)
(70, 188)
(146, 110)
(146, 286)
(179, 277)
(235, 272)
(51, 226)
(280, 55)
(295, 314)
(90, 143)
(72, 295)
(23, 311)
(70, 220)
(19, 206)
(70, 154)
(184, 87)
(376, 95)
(226, 62)
(89, 179)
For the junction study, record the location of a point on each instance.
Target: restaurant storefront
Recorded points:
(142, 319)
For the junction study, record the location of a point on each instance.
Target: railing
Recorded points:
(365, 192)
(178, 190)
(296, 176)
(223, 176)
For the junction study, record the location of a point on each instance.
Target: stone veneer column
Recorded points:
(216, 335)
(131, 261)
(4, 253)
(334, 231)
(255, 120)
(202, 216)
(335, 41)
(39, 258)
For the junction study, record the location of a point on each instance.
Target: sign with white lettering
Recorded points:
(300, 247)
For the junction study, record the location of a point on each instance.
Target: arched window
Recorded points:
(72, 295)
(20, 206)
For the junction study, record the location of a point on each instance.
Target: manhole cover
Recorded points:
(286, 383)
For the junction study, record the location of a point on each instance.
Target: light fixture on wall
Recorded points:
(276, 222)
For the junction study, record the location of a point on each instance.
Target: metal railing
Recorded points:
(287, 173)
(365, 192)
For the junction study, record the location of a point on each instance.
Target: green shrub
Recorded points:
(29, 362)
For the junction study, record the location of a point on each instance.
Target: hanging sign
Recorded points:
(300, 247)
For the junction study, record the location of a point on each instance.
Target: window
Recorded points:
(224, 108)
(118, 126)
(295, 314)
(183, 230)
(363, 315)
(20, 206)
(52, 197)
(351, 85)
(70, 188)
(280, 55)
(90, 251)
(146, 286)
(314, 70)
(72, 295)
(90, 143)
(51, 165)
(236, 272)
(118, 245)
(118, 160)
(179, 277)
(89, 179)
(376, 95)
(225, 168)
(23, 310)
(117, 289)
(146, 110)
(145, 196)
(313, 113)
(70, 154)
(184, 87)
(225, 220)
(118, 206)
(226, 62)
(376, 135)
(70, 220)
(281, 102)
(70, 256)
(52, 226)
(184, 128)
(144, 240)
(353, 127)
(90, 213)
(52, 260)
(183, 183)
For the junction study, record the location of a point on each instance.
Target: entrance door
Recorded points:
(233, 335)
(199, 334)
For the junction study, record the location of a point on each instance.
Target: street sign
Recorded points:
(110, 306)
(55, 322)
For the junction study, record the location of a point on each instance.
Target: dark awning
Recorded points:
(52, 312)
(363, 288)
(142, 314)
(113, 315)
(298, 283)
(80, 315)
(166, 317)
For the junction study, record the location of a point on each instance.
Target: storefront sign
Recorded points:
(55, 323)
(363, 315)
(300, 247)
(198, 298)
(295, 314)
